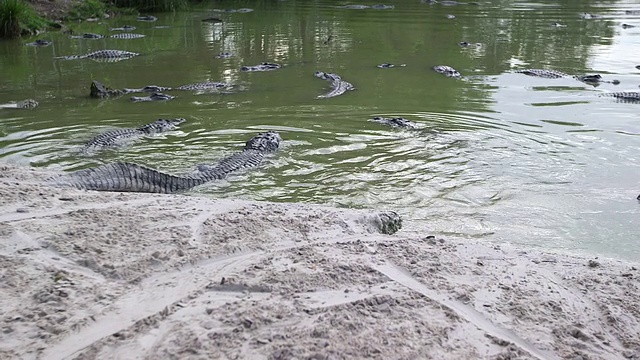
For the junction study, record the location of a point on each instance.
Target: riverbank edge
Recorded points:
(101, 275)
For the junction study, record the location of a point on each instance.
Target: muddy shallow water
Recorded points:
(500, 156)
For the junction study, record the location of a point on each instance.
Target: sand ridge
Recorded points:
(89, 275)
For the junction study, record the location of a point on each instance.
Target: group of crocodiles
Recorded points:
(129, 177)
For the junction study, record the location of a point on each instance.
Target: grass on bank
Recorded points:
(17, 17)
(153, 5)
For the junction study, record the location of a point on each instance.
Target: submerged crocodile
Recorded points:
(102, 55)
(338, 86)
(265, 66)
(362, 7)
(147, 18)
(39, 42)
(124, 28)
(593, 79)
(22, 104)
(625, 96)
(127, 36)
(447, 71)
(87, 36)
(398, 122)
(98, 90)
(117, 137)
(156, 96)
(128, 177)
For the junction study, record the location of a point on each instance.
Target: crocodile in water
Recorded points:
(447, 71)
(389, 66)
(593, 79)
(338, 86)
(124, 28)
(39, 42)
(265, 66)
(128, 177)
(152, 97)
(625, 96)
(87, 36)
(147, 18)
(23, 104)
(103, 55)
(398, 122)
(117, 137)
(127, 36)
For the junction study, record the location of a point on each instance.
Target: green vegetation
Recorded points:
(87, 9)
(153, 5)
(17, 17)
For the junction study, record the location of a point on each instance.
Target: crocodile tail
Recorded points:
(128, 177)
(71, 57)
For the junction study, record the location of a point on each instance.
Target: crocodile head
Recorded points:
(267, 141)
(161, 125)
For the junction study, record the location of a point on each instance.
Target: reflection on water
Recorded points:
(499, 155)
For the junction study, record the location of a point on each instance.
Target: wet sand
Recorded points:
(89, 275)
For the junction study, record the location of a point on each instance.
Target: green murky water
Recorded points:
(501, 156)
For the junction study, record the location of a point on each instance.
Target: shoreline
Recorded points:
(91, 275)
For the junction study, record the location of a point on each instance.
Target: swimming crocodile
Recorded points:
(98, 90)
(593, 79)
(207, 85)
(124, 28)
(39, 42)
(389, 66)
(398, 122)
(625, 96)
(127, 36)
(338, 86)
(241, 10)
(87, 36)
(362, 7)
(128, 177)
(224, 55)
(117, 137)
(448, 71)
(156, 96)
(102, 55)
(147, 18)
(23, 104)
(265, 66)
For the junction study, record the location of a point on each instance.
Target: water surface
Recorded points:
(501, 156)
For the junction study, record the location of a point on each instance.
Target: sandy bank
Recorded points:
(91, 275)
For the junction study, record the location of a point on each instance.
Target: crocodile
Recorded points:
(123, 28)
(241, 10)
(105, 55)
(448, 71)
(338, 86)
(147, 18)
(39, 42)
(362, 7)
(203, 86)
(625, 96)
(592, 79)
(22, 104)
(129, 177)
(224, 55)
(213, 20)
(152, 97)
(127, 36)
(398, 122)
(98, 90)
(389, 66)
(87, 36)
(117, 137)
(265, 66)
